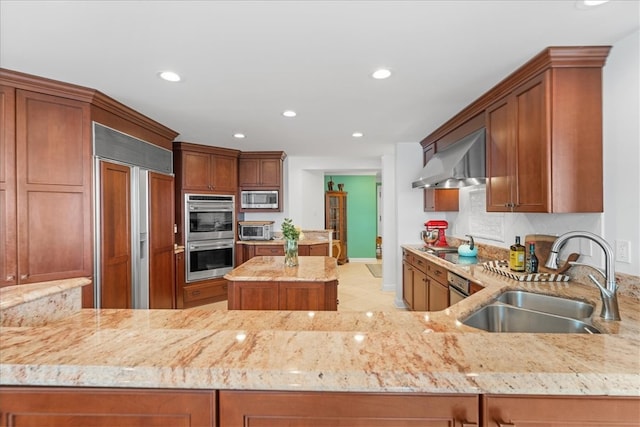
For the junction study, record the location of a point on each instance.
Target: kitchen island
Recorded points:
(394, 364)
(265, 283)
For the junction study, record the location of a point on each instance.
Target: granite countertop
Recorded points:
(328, 351)
(272, 269)
(281, 242)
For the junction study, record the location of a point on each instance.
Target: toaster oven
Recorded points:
(255, 230)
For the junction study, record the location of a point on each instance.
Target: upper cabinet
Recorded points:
(544, 144)
(261, 169)
(205, 169)
(543, 133)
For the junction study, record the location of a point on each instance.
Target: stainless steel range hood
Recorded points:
(460, 165)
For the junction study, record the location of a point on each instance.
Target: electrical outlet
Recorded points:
(623, 251)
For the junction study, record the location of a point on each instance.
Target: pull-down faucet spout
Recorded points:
(610, 309)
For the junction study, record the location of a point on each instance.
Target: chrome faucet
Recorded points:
(610, 309)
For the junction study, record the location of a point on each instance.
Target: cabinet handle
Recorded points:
(506, 425)
(24, 276)
(195, 293)
(11, 277)
(469, 424)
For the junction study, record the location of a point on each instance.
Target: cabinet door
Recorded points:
(532, 136)
(225, 174)
(307, 409)
(179, 279)
(319, 250)
(500, 157)
(407, 284)
(115, 236)
(57, 407)
(420, 291)
(196, 171)
(8, 219)
(53, 155)
(249, 172)
(438, 296)
(302, 296)
(253, 295)
(544, 411)
(161, 241)
(270, 172)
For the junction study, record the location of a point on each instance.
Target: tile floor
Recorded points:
(358, 290)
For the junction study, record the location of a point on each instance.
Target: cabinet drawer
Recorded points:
(270, 250)
(437, 273)
(206, 290)
(419, 263)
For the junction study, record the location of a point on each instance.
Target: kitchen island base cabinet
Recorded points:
(271, 409)
(204, 292)
(296, 295)
(58, 407)
(555, 411)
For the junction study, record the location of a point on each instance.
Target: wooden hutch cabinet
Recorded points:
(335, 218)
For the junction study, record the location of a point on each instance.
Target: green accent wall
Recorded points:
(361, 213)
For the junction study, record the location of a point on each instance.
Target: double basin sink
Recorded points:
(521, 311)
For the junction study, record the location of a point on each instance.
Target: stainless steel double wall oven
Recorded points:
(209, 236)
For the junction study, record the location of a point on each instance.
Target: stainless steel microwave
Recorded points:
(259, 199)
(255, 230)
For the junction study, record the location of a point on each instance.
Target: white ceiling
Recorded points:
(244, 62)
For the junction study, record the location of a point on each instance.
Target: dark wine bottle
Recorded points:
(532, 263)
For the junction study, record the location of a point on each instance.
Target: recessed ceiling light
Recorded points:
(289, 113)
(239, 135)
(380, 74)
(357, 134)
(170, 76)
(589, 4)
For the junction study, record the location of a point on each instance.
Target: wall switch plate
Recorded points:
(623, 251)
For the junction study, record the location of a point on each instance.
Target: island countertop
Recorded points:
(272, 269)
(431, 352)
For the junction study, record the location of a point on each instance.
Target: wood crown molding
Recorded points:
(549, 58)
(220, 151)
(263, 155)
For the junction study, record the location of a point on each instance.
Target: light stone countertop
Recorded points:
(328, 351)
(272, 269)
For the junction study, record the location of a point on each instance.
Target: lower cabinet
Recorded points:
(555, 411)
(424, 284)
(260, 295)
(204, 292)
(245, 252)
(97, 407)
(310, 409)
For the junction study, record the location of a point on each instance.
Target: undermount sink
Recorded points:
(547, 304)
(519, 311)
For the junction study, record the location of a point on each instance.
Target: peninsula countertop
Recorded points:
(430, 352)
(272, 268)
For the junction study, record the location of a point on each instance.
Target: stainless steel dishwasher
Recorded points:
(458, 288)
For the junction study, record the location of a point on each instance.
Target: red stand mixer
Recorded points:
(434, 235)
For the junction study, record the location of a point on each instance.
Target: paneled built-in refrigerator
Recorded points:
(134, 222)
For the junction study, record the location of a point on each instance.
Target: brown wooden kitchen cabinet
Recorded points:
(261, 170)
(104, 407)
(335, 218)
(204, 292)
(311, 409)
(205, 169)
(438, 287)
(8, 218)
(283, 295)
(415, 291)
(46, 191)
(244, 252)
(443, 200)
(541, 155)
(46, 207)
(552, 411)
